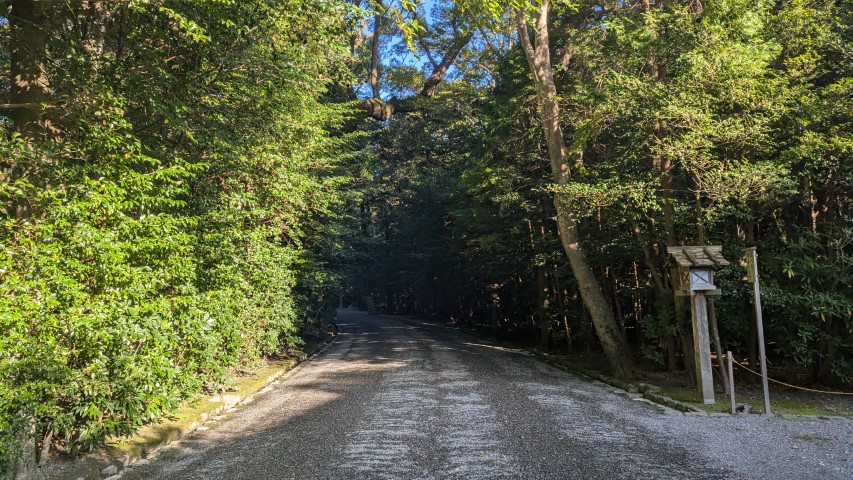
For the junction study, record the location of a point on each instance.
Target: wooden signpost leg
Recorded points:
(702, 348)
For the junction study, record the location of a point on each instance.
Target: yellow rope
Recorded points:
(789, 385)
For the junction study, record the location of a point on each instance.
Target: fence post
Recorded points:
(731, 382)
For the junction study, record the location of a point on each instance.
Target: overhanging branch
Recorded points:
(380, 110)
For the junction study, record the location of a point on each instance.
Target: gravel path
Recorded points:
(397, 398)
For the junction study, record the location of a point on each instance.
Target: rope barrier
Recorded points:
(788, 384)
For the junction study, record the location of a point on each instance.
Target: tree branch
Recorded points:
(380, 110)
(440, 70)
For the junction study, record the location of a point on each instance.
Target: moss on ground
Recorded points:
(787, 402)
(674, 385)
(194, 412)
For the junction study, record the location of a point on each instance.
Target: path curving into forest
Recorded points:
(397, 397)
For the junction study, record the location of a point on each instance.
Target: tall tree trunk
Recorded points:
(664, 166)
(561, 297)
(539, 59)
(374, 58)
(617, 304)
(665, 307)
(29, 87)
(496, 312)
(24, 466)
(664, 304)
(689, 362)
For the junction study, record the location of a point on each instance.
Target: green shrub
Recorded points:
(156, 242)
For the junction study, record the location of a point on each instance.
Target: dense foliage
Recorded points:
(175, 219)
(724, 122)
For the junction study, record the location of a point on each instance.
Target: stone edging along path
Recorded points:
(117, 455)
(652, 393)
(648, 391)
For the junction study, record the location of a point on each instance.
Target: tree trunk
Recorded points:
(29, 86)
(29, 89)
(544, 320)
(374, 59)
(24, 467)
(663, 165)
(620, 316)
(664, 306)
(496, 312)
(539, 59)
(568, 330)
(689, 356)
(561, 297)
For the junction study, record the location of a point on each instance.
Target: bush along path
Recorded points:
(200, 412)
(165, 217)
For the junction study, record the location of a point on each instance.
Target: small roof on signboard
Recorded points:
(698, 256)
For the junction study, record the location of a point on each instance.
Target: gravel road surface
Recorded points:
(399, 398)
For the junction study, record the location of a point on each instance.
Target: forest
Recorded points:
(189, 187)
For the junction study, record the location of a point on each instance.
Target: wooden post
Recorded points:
(731, 381)
(702, 347)
(752, 275)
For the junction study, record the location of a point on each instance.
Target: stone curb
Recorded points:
(111, 461)
(649, 392)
